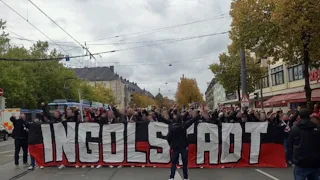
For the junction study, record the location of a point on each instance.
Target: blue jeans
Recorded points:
(175, 161)
(288, 156)
(33, 161)
(306, 173)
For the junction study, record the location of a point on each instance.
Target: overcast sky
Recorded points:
(97, 22)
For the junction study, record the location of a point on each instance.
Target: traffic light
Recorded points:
(256, 96)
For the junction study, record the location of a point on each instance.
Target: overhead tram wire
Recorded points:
(163, 28)
(87, 50)
(120, 42)
(33, 25)
(116, 50)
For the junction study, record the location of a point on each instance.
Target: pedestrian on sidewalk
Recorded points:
(20, 135)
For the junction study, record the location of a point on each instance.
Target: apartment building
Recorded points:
(219, 95)
(209, 94)
(121, 87)
(283, 86)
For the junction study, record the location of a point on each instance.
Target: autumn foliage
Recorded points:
(188, 92)
(141, 100)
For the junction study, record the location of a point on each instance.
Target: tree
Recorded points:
(228, 71)
(142, 100)
(28, 83)
(188, 92)
(280, 29)
(102, 94)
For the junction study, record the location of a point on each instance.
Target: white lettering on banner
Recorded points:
(255, 129)
(108, 155)
(113, 142)
(212, 147)
(90, 153)
(47, 143)
(65, 142)
(132, 155)
(154, 156)
(236, 130)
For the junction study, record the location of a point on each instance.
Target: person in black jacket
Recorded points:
(177, 139)
(305, 146)
(34, 137)
(20, 135)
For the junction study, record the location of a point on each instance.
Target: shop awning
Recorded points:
(293, 97)
(276, 100)
(301, 97)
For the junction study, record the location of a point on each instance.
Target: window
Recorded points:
(265, 82)
(277, 75)
(296, 73)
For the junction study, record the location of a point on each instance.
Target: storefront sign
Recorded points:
(315, 75)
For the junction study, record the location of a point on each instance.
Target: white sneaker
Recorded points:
(99, 166)
(61, 166)
(77, 166)
(110, 166)
(92, 166)
(31, 168)
(84, 166)
(171, 179)
(41, 167)
(120, 166)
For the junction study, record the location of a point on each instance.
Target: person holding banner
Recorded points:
(177, 139)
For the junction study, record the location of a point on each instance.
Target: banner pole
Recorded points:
(81, 102)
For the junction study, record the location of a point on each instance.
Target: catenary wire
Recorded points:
(163, 28)
(112, 51)
(36, 28)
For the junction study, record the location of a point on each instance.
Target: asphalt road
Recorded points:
(9, 172)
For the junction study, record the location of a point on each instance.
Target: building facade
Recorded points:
(219, 95)
(106, 76)
(209, 94)
(283, 86)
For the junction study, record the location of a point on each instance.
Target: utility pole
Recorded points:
(244, 88)
(261, 93)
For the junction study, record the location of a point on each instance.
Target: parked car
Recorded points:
(3, 133)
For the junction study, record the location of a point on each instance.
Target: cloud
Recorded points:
(98, 22)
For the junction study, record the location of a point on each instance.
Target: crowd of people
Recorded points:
(300, 128)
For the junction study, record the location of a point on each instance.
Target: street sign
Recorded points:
(244, 100)
(1, 92)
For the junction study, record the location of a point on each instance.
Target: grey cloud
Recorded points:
(158, 6)
(89, 20)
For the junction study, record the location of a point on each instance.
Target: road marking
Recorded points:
(6, 143)
(177, 176)
(5, 152)
(266, 174)
(6, 164)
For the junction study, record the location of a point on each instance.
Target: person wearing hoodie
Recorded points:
(177, 139)
(304, 145)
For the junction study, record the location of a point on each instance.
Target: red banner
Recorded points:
(144, 144)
